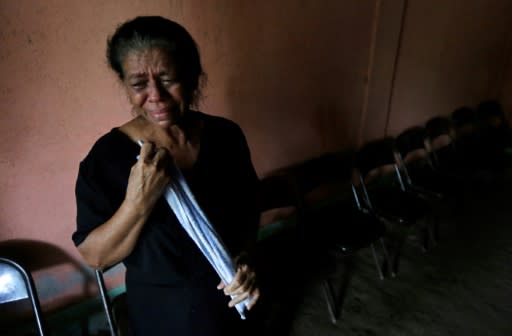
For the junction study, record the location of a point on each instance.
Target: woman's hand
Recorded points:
(243, 285)
(149, 176)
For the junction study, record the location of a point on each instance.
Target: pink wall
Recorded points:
(452, 53)
(56, 97)
(291, 74)
(506, 89)
(385, 44)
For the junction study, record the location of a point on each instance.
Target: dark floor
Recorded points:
(463, 286)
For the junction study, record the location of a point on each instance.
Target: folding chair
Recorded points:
(417, 167)
(16, 283)
(19, 259)
(440, 137)
(115, 309)
(469, 141)
(337, 228)
(495, 133)
(278, 249)
(383, 189)
(350, 230)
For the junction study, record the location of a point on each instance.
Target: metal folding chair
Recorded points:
(16, 284)
(111, 306)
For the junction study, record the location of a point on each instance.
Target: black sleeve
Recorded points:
(249, 186)
(93, 206)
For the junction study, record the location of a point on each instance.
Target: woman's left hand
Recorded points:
(243, 285)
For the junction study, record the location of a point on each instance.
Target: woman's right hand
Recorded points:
(148, 177)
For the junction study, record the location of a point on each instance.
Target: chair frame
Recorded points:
(107, 304)
(406, 186)
(327, 288)
(31, 294)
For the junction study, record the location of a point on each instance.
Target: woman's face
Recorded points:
(152, 86)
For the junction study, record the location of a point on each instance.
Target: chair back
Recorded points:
(277, 190)
(17, 262)
(278, 204)
(325, 178)
(463, 116)
(376, 155)
(489, 113)
(438, 126)
(411, 140)
(16, 284)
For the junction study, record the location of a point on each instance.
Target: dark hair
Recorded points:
(145, 32)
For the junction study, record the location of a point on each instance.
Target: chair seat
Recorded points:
(345, 227)
(393, 202)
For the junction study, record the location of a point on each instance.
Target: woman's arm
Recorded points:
(115, 239)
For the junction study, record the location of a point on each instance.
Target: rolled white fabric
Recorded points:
(196, 224)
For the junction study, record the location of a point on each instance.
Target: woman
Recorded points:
(121, 214)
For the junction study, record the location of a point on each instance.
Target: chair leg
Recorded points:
(429, 235)
(433, 232)
(335, 297)
(36, 306)
(425, 237)
(330, 300)
(377, 263)
(107, 306)
(387, 258)
(397, 254)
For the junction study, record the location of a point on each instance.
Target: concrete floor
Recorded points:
(463, 286)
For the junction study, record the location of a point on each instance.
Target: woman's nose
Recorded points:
(155, 92)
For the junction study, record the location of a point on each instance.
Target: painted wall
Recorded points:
(290, 74)
(506, 89)
(452, 53)
(384, 47)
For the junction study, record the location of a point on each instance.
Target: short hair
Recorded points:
(144, 32)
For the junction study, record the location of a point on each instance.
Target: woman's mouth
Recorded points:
(160, 114)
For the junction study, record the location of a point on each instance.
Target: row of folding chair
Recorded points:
(375, 198)
(469, 141)
(387, 193)
(336, 216)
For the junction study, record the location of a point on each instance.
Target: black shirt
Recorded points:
(222, 180)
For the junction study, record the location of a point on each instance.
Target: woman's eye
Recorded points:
(138, 85)
(168, 82)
